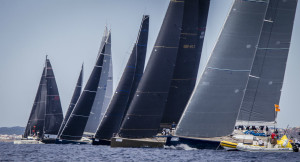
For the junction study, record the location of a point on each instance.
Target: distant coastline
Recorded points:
(9, 134)
(12, 130)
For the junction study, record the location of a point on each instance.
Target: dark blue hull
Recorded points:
(193, 142)
(49, 141)
(100, 142)
(60, 141)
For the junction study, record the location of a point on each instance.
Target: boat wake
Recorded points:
(180, 147)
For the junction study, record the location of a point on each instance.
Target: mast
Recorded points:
(144, 113)
(267, 73)
(36, 118)
(127, 86)
(53, 114)
(188, 59)
(75, 125)
(214, 105)
(98, 105)
(74, 100)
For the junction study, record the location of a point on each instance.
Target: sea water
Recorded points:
(53, 152)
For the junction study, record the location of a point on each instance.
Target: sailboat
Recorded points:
(53, 112)
(267, 74)
(46, 114)
(74, 100)
(123, 95)
(75, 125)
(212, 110)
(177, 44)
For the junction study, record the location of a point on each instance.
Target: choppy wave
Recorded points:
(52, 152)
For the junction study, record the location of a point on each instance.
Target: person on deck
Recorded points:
(248, 128)
(273, 139)
(168, 131)
(261, 129)
(163, 131)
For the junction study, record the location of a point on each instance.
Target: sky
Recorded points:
(70, 32)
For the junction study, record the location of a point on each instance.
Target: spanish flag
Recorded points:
(276, 107)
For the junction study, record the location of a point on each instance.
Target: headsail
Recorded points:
(267, 73)
(75, 125)
(35, 125)
(214, 105)
(74, 99)
(98, 105)
(127, 86)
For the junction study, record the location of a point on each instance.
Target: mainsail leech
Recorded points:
(267, 73)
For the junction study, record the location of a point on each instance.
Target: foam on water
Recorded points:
(180, 147)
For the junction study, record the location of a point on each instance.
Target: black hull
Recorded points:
(49, 141)
(60, 141)
(137, 143)
(100, 142)
(192, 142)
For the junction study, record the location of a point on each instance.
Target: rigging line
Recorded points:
(264, 58)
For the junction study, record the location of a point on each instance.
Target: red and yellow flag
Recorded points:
(276, 107)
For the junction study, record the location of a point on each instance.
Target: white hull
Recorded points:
(243, 137)
(27, 142)
(252, 148)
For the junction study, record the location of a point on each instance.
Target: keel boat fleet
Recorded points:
(240, 84)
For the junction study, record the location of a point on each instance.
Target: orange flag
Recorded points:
(276, 107)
